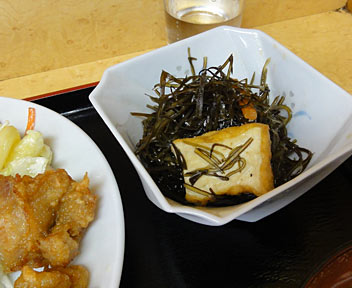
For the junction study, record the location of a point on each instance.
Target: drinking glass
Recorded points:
(185, 18)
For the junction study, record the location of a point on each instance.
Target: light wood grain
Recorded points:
(261, 12)
(60, 79)
(39, 36)
(323, 40)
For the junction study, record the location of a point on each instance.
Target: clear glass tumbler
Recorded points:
(185, 18)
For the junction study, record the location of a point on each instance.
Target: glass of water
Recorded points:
(185, 18)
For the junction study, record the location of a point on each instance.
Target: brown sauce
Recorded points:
(335, 273)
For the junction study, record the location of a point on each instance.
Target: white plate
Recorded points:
(102, 247)
(322, 111)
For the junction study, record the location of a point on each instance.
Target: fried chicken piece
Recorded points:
(76, 211)
(41, 215)
(78, 274)
(59, 248)
(54, 279)
(28, 209)
(74, 276)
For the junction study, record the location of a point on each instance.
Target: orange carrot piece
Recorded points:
(248, 110)
(31, 119)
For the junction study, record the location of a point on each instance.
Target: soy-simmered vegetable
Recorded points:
(207, 101)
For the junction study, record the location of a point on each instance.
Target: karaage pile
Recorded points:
(42, 221)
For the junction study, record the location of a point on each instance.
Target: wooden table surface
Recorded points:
(56, 45)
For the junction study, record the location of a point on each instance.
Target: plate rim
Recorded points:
(118, 210)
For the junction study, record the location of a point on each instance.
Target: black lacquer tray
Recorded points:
(165, 250)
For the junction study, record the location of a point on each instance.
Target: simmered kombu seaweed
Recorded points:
(212, 100)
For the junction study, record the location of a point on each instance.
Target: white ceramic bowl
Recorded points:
(322, 111)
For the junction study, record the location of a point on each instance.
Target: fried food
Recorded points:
(78, 274)
(42, 219)
(74, 276)
(30, 278)
(76, 211)
(223, 174)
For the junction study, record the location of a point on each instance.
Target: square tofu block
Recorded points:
(247, 170)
